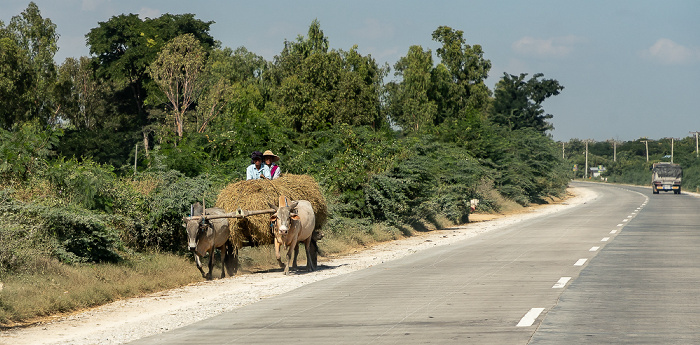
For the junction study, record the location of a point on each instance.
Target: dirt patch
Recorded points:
(134, 318)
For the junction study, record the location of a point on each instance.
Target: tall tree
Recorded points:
(230, 78)
(467, 70)
(124, 46)
(414, 109)
(36, 37)
(518, 103)
(177, 70)
(79, 94)
(16, 81)
(316, 88)
(357, 100)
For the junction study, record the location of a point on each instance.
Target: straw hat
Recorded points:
(269, 153)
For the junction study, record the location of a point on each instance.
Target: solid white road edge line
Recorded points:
(530, 317)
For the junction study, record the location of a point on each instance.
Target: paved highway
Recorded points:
(619, 269)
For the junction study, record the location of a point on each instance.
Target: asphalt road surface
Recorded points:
(619, 269)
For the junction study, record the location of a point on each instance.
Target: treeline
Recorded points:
(632, 161)
(102, 155)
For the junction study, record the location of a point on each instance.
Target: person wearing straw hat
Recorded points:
(256, 169)
(270, 159)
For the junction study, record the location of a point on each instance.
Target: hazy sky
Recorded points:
(630, 68)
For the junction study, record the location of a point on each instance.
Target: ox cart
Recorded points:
(207, 232)
(242, 208)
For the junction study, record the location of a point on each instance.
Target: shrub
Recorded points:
(22, 246)
(24, 150)
(438, 179)
(85, 182)
(163, 207)
(73, 233)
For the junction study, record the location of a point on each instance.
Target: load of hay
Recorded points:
(256, 194)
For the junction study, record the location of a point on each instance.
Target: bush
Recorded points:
(24, 150)
(73, 234)
(22, 246)
(162, 206)
(438, 179)
(85, 182)
(342, 159)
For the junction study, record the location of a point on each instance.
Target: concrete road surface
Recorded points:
(619, 269)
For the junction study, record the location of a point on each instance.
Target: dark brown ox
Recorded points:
(294, 224)
(206, 235)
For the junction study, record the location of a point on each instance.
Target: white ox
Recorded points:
(204, 236)
(294, 223)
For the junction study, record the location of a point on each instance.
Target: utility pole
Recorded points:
(562, 151)
(136, 157)
(646, 144)
(696, 143)
(585, 174)
(672, 140)
(614, 142)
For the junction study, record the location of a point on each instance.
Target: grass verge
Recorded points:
(59, 288)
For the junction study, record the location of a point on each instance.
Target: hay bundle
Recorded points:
(256, 194)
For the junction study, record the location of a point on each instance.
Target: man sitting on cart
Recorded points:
(256, 169)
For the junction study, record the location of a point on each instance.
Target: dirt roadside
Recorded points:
(126, 320)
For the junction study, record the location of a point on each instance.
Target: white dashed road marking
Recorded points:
(530, 317)
(561, 283)
(605, 239)
(580, 262)
(593, 249)
(613, 231)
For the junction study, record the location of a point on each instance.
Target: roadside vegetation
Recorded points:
(100, 160)
(626, 161)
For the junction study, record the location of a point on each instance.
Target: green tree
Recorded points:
(413, 109)
(231, 78)
(124, 46)
(37, 36)
(177, 70)
(467, 69)
(15, 82)
(79, 94)
(518, 103)
(357, 100)
(35, 44)
(316, 88)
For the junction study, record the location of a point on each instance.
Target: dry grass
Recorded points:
(61, 288)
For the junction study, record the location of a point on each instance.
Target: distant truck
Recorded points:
(666, 177)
